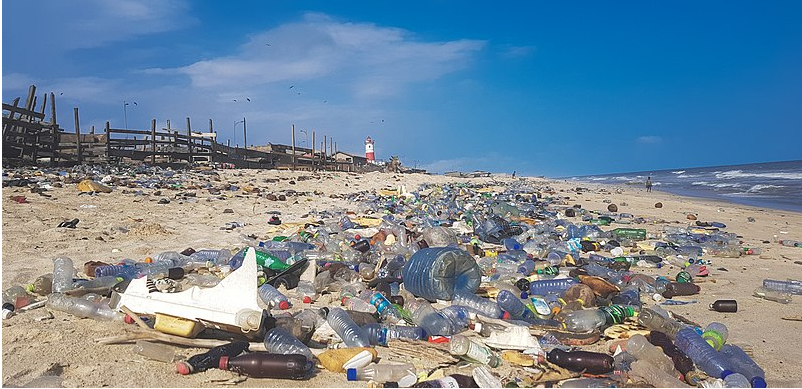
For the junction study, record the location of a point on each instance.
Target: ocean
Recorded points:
(775, 185)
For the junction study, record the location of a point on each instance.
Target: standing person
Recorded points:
(649, 184)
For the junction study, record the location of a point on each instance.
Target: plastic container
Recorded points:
(83, 308)
(272, 297)
(638, 346)
(472, 351)
(435, 273)
(656, 322)
(789, 286)
(715, 334)
(210, 359)
(213, 256)
(654, 375)
(306, 291)
(703, 355)
(17, 296)
(741, 363)
(682, 363)
(724, 306)
(772, 295)
(513, 305)
(674, 289)
(347, 329)
(127, 272)
(450, 381)
(479, 305)
(555, 286)
(357, 304)
(591, 319)
(384, 307)
(266, 365)
(98, 283)
(404, 374)
(279, 341)
(589, 362)
(154, 351)
(63, 273)
(380, 333)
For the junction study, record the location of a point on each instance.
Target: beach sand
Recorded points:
(62, 349)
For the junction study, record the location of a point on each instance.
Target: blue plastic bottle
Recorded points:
(435, 273)
(703, 355)
(740, 362)
(479, 305)
(556, 286)
(380, 333)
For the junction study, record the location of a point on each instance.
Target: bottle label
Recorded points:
(478, 353)
(615, 314)
(448, 382)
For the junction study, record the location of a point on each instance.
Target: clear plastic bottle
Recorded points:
(449, 381)
(638, 346)
(715, 334)
(98, 282)
(435, 273)
(83, 308)
(127, 272)
(479, 305)
(347, 329)
(357, 304)
(591, 319)
(736, 381)
(202, 280)
(485, 378)
(279, 341)
(703, 355)
(656, 322)
(384, 307)
(471, 351)
(741, 363)
(682, 363)
(63, 273)
(272, 297)
(513, 305)
(306, 291)
(172, 258)
(772, 295)
(380, 333)
(384, 372)
(210, 255)
(154, 351)
(789, 286)
(654, 375)
(556, 286)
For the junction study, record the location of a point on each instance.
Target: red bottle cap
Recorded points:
(506, 315)
(283, 305)
(128, 319)
(223, 362)
(307, 300)
(183, 368)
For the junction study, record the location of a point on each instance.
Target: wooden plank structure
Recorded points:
(28, 138)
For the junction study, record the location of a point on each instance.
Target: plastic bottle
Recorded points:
(555, 286)
(638, 346)
(83, 308)
(741, 363)
(479, 305)
(736, 380)
(380, 333)
(472, 351)
(404, 374)
(357, 304)
(210, 359)
(772, 295)
(63, 273)
(703, 355)
(425, 316)
(629, 233)
(789, 286)
(98, 282)
(724, 306)
(266, 365)
(450, 381)
(347, 329)
(589, 362)
(272, 297)
(656, 322)
(485, 378)
(279, 341)
(43, 285)
(306, 291)
(674, 289)
(715, 334)
(127, 272)
(435, 273)
(386, 310)
(202, 280)
(654, 375)
(513, 305)
(682, 363)
(154, 351)
(591, 319)
(17, 296)
(790, 243)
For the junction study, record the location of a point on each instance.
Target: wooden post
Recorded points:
(108, 142)
(293, 147)
(325, 155)
(92, 130)
(54, 128)
(31, 95)
(314, 157)
(189, 140)
(77, 136)
(153, 141)
(244, 134)
(44, 104)
(213, 143)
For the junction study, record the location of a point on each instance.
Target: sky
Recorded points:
(540, 88)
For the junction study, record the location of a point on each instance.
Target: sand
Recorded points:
(43, 351)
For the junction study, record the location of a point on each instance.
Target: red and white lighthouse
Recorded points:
(369, 150)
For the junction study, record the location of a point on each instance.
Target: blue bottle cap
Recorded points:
(759, 382)
(350, 374)
(725, 373)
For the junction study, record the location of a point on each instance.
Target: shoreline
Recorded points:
(124, 224)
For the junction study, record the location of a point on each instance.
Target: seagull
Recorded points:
(61, 93)
(325, 101)
(268, 44)
(235, 100)
(292, 86)
(248, 99)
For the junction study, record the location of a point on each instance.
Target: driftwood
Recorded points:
(421, 354)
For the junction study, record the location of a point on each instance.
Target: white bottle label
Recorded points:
(449, 382)
(478, 353)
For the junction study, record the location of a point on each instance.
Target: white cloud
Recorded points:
(649, 139)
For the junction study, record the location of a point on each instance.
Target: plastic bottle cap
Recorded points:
(128, 319)
(505, 315)
(284, 305)
(725, 373)
(223, 365)
(307, 300)
(183, 368)
(148, 260)
(350, 374)
(7, 313)
(759, 382)
(175, 273)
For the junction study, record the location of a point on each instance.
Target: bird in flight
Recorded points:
(268, 44)
(235, 100)
(292, 86)
(247, 99)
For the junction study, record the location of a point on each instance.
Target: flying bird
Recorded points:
(248, 99)
(61, 93)
(235, 100)
(268, 44)
(292, 86)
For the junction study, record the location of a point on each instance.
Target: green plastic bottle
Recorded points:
(270, 261)
(629, 233)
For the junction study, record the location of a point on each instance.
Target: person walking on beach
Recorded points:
(649, 184)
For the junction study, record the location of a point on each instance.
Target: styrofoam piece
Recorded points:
(233, 301)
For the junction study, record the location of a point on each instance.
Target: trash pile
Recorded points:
(447, 286)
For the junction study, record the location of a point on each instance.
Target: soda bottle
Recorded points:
(266, 365)
(472, 351)
(306, 291)
(404, 374)
(587, 361)
(83, 308)
(629, 233)
(790, 243)
(210, 359)
(715, 334)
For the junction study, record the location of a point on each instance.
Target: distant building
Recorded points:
(369, 155)
(350, 158)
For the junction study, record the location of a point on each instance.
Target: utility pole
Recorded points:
(293, 147)
(245, 133)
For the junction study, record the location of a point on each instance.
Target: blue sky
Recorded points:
(539, 88)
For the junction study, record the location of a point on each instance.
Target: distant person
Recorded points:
(648, 184)
(513, 174)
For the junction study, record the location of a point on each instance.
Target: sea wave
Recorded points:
(716, 184)
(732, 174)
(678, 172)
(689, 175)
(758, 188)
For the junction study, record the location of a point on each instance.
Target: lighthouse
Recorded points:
(369, 150)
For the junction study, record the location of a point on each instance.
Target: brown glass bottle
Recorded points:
(587, 361)
(202, 362)
(680, 289)
(267, 365)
